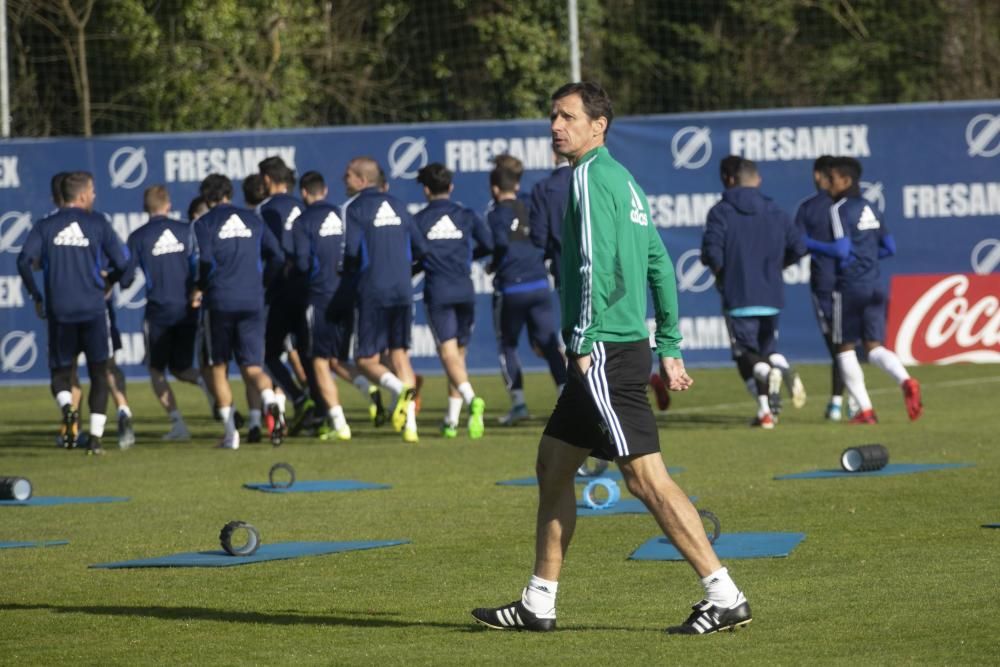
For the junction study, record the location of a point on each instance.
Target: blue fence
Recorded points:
(933, 169)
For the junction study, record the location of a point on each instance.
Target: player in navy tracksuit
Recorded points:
(164, 249)
(748, 241)
(521, 290)
(72, 246)
(381, 240)
(813, 220)
(549, 198)
(318, 243)
(233, 245)
(454, 236)
(286, 293)
(860, 240)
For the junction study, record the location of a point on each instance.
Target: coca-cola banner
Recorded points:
(931, 170)
(945, 318)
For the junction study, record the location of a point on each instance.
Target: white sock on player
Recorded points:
(887, 360)
(337, 417)
(454, 410)
(97, 423)
(720, 589)
(411, 416)
(64, 398)
(854, 378)
(267, 397)
(465, 389)
(539, 597)
(227, 420)
(255, 419)
(392, 383)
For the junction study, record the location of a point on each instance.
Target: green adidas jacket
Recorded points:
(611, 251)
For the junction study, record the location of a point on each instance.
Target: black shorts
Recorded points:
(170, 344)
(606, 410)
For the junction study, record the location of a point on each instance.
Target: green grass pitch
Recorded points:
(894, 570)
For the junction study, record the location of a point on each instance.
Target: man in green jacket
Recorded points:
(610, 251)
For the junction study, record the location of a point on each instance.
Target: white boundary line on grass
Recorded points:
(884, 390)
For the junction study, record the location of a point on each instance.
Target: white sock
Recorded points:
(411, 416)
(175, 416)
(227, 419)
(539, 597)
(392, 383)
(337, 417)
(454, 410)
(465, 389)
(97, 423)
(267, 397)
(280, 399)
(761, 371)
(517, 397)
(837, 400)
(720, 589)
(255, 418)
(124, 410)
(64, 398)
(362, 384)
(854, 378)
(763, 406)
(887, 360)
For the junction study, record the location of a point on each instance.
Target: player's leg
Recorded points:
(219, 329)
(508, 320)
(886, 359)
(754, 370)
(249, 353)
(158, 356)
(321, 346)
(848, 308)
(343, 321)
(823, 309)
(63, 352)
(278, 326)
(117, 384)
(95, 337)
(399, 320)
(543, 333)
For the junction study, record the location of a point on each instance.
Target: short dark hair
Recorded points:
(435, 177)
(56, 187)
(596, 101)
(506, 177)
(216, 188)
(276, 170)
(73, 183)
(253, 190)
(729, 168)
(312, 182)
(823, 164)
(196, 203)
(847, 166)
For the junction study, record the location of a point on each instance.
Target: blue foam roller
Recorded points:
(317, 485)
(891, 469)
(26, 545)
(42, 501)
(626, 506)
(278, 551)
(580, 479)
(729, 545)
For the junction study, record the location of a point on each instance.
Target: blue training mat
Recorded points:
(313, 486)
(580, 479)
(278, 551)
(25, 545)
(729, 545)
(891, 469)
(40, 501)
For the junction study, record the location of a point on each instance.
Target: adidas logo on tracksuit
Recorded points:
(332, 226)
(638, 213)
(291, 218)
(72, 235)
(386, 217)
(234, 228)
(444, 229)
(167, 244)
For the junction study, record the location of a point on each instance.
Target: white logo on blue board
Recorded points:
(407, 156)
(986, 256)
(18, 352)
(692, 275)
(874, 192)
(983, 135)
(134, 297)
(127, 167)
(14, 228)
(692, 147)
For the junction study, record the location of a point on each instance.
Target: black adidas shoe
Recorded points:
(253, 435)
(70, 428)
(708, 618)
(94, 446)
(514, 616)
